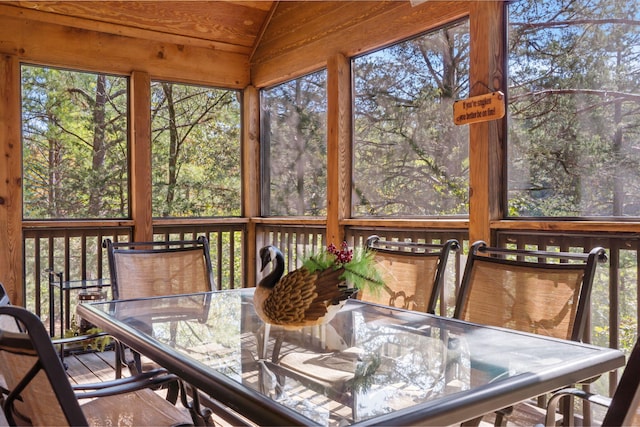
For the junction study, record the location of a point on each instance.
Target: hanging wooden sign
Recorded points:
(481, 108)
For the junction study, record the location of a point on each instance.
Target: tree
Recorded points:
(294, 123)
(74, 144)
(196, 151)
(409, 157)
(574, 117)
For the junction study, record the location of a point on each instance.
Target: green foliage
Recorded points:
(74, 143)
(75, 147)
(196, 151)
(295, 148)
(98, 343)
(364, 375)
(359, 266)
(409, 157)
(574, 117)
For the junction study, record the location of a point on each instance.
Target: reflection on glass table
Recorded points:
(370, 365)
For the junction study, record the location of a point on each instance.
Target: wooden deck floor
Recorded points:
(91, 367)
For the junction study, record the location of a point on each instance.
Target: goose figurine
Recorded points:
(299, 298)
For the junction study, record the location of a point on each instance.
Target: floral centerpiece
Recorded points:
(359, 265)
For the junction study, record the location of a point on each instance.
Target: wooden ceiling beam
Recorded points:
(12, 11)
(61, 46)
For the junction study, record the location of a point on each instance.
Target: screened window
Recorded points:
(574, 122)
(294, 147)
(196, 151)
(74, 144)
(409, 157)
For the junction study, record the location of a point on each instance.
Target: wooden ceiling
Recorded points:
(221, 43)
(233, 26)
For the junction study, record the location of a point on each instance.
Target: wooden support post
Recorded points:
(486, 139)
(11, 261)
(140, 156)
(338, 146)
(251, 177)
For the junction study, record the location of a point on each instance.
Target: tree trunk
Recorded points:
(99, 148)
(173, 150)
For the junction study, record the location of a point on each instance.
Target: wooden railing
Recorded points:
(295, 241)
(76, 253)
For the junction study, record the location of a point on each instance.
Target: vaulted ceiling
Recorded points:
(226, 43)
(234, 26)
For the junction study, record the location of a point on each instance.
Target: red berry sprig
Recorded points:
(343, 256)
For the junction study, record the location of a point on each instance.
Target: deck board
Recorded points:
(90, 367)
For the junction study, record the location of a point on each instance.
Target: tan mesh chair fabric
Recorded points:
(412, 272)
(407, 281)
(38, 405)
(160, 273)
(532, 291)
(147, 269)
(538, 300)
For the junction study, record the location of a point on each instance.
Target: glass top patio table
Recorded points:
(370, 365)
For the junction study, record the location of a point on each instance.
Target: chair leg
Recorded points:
(173, 390)
(119, 358)
(200, 415)
(501, 416)
(501, 420)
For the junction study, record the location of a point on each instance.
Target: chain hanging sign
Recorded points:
(479, 108)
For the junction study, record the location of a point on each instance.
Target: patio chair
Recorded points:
(623, 409)
(148, 269)
(85, 339)
(532, 291)
(39, 392)
(540, 292)
(413, 273)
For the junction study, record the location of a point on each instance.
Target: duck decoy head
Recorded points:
(267, 254)
(271, 254)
